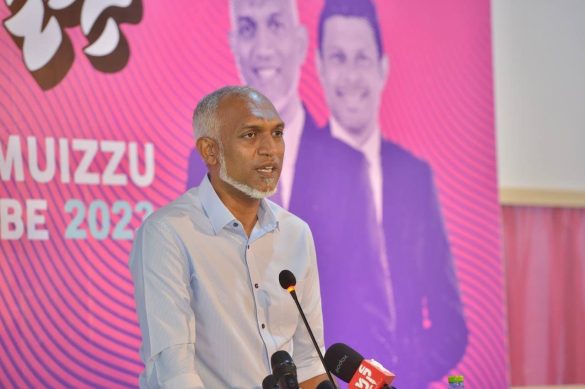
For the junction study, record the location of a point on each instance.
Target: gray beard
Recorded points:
(246, 189)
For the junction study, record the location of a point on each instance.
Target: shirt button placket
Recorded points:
(259, 313)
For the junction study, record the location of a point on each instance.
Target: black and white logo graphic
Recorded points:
(38, 28)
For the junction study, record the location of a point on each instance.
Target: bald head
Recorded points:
(207, 118)
(290, 6)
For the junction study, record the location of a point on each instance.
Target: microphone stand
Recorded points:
(293, 293)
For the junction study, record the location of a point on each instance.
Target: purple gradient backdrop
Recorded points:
(67, 314)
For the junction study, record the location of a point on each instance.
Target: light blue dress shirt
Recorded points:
(210, 307)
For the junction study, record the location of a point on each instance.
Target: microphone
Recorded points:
(326, 385)
(284, 370)
(288, 281)
(350, 366)
(270, 382)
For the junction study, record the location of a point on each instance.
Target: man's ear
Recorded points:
(232, 40)
(319, 65)
(385, 68)
(209, 150)
(302, 42)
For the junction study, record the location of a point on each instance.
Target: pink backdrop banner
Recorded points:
(67, 313)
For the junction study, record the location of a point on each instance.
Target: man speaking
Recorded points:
(206, 266)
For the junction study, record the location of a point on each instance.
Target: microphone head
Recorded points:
(342, 360)
(325, 385)
(280, 357)
(287, 279)
(283, 367)
(269, 382)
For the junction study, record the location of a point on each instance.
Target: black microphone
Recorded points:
(326, 385)
(288, 281)
(343, 361)
(284, 370)
(351, 367)
(270, 382)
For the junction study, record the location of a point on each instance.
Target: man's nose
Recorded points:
(269, 145)
(265, 43)
(352, 72)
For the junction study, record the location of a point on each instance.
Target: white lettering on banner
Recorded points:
(35, 171)
(110, 177)
(148, 176)
(64, 160)
(12, 223)
(33, 219)
(99, 220)
(12, 161)
(89, 148)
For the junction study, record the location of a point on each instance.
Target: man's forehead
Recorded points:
(348, 29)
(250, 106)
(251, 8)
(238, 99)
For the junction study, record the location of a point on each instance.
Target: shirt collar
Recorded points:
(219, 216)
(267, 219)
(370, 148)
(292, 139)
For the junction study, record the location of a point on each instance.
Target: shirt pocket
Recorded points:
(284, 317)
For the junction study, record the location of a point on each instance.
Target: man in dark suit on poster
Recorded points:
(423, 334)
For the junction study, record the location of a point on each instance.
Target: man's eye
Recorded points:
(275, 25)
(246, 29)
(249, 135)
(363, 60)
(278, 133)
(337, 58)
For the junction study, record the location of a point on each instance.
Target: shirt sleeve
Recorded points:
(161, 273)
(304, 354)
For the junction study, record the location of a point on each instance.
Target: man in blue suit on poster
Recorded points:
(320, 174)
(420, 334)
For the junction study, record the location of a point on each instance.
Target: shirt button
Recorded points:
(235, 224)
(248, 247)
(263, 325)
(256, 286)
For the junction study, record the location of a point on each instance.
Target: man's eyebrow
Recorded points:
(257, 124)
(276, 14)
(245, 19)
